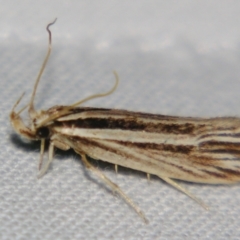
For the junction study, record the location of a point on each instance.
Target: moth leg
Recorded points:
(148, 177)
(182, 189)
(53, 143)
(116, 168)
(113, 186)
(50, 159)
(41, 154)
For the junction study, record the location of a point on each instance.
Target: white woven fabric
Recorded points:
(173, 57)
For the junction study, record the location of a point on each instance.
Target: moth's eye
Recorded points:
(43, 132)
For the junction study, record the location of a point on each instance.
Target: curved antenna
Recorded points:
(97, 95)
(67, 108)
(31, 109)
(16, 104)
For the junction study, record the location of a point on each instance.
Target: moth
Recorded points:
(190, 149)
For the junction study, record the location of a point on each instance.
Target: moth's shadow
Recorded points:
(26, 146)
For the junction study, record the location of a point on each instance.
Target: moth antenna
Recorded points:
(17, 102)
(67, 108)
(31, 109)
(99, 94)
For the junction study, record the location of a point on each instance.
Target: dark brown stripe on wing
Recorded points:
(228, 171)
(215, 174)
(130, 124)
(184, 149)
(224, 173)
(220, 147)
(233, 135)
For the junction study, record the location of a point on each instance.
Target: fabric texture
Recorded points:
(172, 57)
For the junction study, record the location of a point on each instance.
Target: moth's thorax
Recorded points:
(38, 118)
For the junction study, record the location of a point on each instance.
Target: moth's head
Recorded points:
(34, 131)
